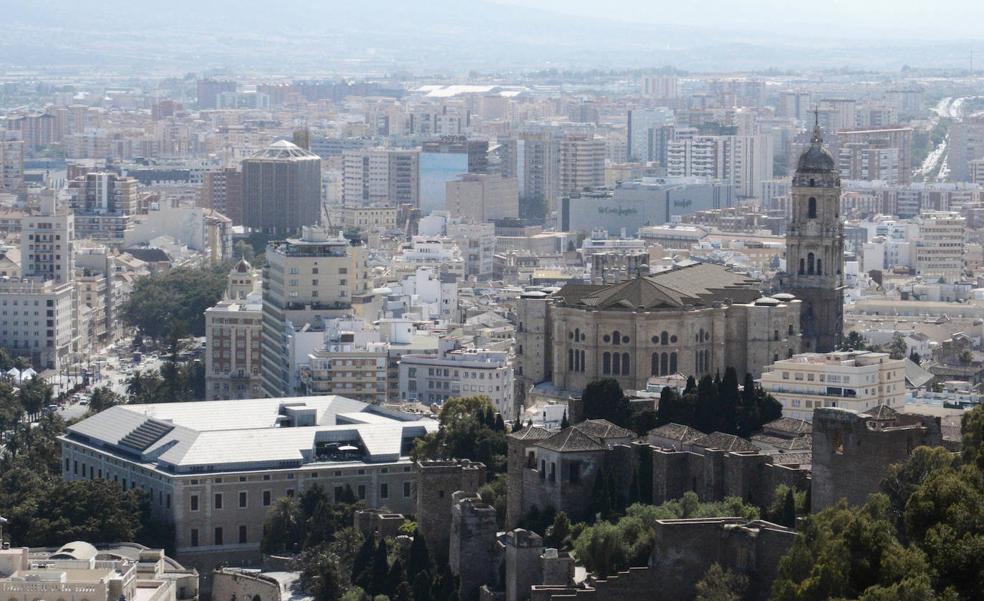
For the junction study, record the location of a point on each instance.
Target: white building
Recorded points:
(743, 161)
(856, 380)
(47, 243)
(38, 320)
(458, 372)
(940, 248)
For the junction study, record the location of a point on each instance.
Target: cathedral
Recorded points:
(815, 249)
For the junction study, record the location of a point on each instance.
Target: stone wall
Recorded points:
(852, 451)
(523, 570)
(374, 521)
(472, 550)
(236, 585)
(437, 481)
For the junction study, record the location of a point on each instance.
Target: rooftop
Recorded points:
(217, 436)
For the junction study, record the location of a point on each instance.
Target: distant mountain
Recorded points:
(367, 36)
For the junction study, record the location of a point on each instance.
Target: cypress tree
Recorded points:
(691, 385)
(394, 577)
(708, 409)
(728, 395)
(362, 561)
(379, 570)
(419, 559)
(789, 510)
(422, 586)
(500, 424)
(563, 422)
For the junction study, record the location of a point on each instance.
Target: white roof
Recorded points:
(250, 433)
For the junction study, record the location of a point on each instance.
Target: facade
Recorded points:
(39, 320)
(352, 361)
(815, 249)
(381, 176)
(213, 469)
(281, 189)
(368, 219)
(743, 161)
(939, 250)
(222, 191)
(663, 87)
(898, 139)
(47, 243)
(12, 164)
(851, 380)
(582, 164)
(695, 320)
(104, 206)
(477, 243)
(479, 197)
(233, 329)
(649, 131)
(316, 275)
(459, 372)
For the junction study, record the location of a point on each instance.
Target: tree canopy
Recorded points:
(171, 305)
(469, 429)
(719, 405)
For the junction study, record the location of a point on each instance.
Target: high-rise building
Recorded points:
(47, 243)
(815, 248)
(662, 87)
(582, 164)
(209, 91)
(381, 176)
(39, 321)
(742, 161)
(281, 189)
(104, 205)
(444, 160)
(222, 190)
(939, 252)
(306, 279)
(649, 131)
(895, 145)
(233, 329)
(795, 105)
(12, 164)
(479, 197)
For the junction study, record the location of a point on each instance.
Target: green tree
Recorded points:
(789, 510)
(558, 534)
(35, 395)
(419, 560)
(604, 399)
(319, 575)
(897, 348)
(719, 584)
(464, 434)
(854, 341)
(728, 401)
(282, 530)
(903, 479)
(172, 305)
(103, 398)
(708, 405)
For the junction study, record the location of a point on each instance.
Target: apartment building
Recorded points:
(104, 206)
(38, 320)
(381, 176)
(213, 469)
(856, 380)
(742, 161)
(582, 164)
(940, 248)
(233, 329)
(352, 361)
(318, 275)
(456, 372)
(47, 243)
(479, 197)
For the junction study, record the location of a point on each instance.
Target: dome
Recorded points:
(816, 159)
(243, 266)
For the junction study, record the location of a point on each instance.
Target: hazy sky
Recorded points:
(886, 18)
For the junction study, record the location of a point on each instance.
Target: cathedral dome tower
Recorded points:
(815, 248)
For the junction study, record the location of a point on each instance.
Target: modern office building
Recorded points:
(12, 164)
(306, 279)
(582, 164)
(381, 176)
(649, 131)
(458, 372)
(213, 469)
(855, 380)
(742, 161)
(281, 189)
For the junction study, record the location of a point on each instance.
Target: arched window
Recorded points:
(707, 360)
(697, 362)
(819, 268)
(616, 337)
(570, 359)
(577, 334)
(673, 363)
(582, 361)
(664, 338)
(809, 263)
(811, 210)
(664, 364)
(802, 267)
(625, 364)
(606, 363)
(775, 334)
(813, 182)
(616, 364)
(577, 360)
(654, 364)
(790, 329)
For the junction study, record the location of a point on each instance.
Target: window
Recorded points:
(625, 364)
(218, 536)
(194, 537)
(811, 210)
(242, 534)
(384, 491)
(218, 500)
(242, 499)
(606, 363)
(616, 337)
(664, 338)
(616, 364)
(266, 498)
(406, 489)
(575, 472)
(194, 502)
(673, 363)
(362, 492)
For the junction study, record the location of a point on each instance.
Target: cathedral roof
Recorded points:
(816, 159)
(697, 285)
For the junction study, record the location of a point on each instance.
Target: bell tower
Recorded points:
(815, 248)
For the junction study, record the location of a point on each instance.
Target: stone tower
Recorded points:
(241, 281)
(815, 249)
